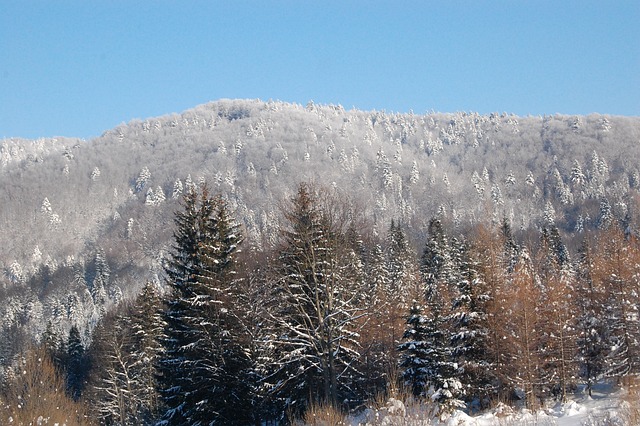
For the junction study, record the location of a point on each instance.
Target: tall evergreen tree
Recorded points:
(399, 262)
(147, 331)
(100, 281)
(591, 326)
(204, 365)
(437, 362)
(76, 364)
(619, 275)
(469, 323)
(510, 248)
(416, 352)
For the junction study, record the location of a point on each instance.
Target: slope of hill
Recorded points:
(68, 204)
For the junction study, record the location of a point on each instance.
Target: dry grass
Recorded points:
(630, 406)
(322, 415)
(398, 407)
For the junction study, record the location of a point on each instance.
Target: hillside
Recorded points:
(66, 200)
(334, 252)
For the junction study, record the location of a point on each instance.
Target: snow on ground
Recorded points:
(604, 408)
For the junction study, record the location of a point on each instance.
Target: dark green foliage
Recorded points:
(511, 249)
(470, 330)
(591, 342)
(416, 352)
(439, 372)
(203, 372)
(76, 364)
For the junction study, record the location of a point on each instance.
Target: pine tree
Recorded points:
(147, 331)
(100, 281)
(402, 280)
(76, 364)
(510, 248)
(442, 374)
(435, 266)
(619, 272)
(469, 322)
(399, 262)
(591, 326)
(204, 364)
(53, 344)
(142, 179)
(416, 352)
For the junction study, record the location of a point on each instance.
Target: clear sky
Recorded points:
(78, 68)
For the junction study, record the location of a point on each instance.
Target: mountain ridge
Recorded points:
(433, 138)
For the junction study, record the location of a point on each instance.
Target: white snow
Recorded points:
(606, 407)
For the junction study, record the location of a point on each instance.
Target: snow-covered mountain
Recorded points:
(395, 212)
(65, 202)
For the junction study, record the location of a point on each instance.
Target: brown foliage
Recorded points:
(35, 393)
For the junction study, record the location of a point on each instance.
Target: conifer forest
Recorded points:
(249, 263)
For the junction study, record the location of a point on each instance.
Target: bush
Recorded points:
(34, 393)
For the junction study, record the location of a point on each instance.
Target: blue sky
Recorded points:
(78, 68)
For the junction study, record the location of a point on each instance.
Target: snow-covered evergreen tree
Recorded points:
(400, 264)
(591, 341)
(75, 364)
(618, 271)
(442, 373)
(126, 351)
(204, 366)
(147, 331)
(100, 281)
(142, 179)
(469, 323)
(416, 352)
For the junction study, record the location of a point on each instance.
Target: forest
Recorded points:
(335, 316)
(250, 262)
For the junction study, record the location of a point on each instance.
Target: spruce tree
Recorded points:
(619, 276)
(416, 352)
(442, 374)
(76, 364)
(592, 345)
(146, 332)
(469, 323)
(203, 369)
(399, 262)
